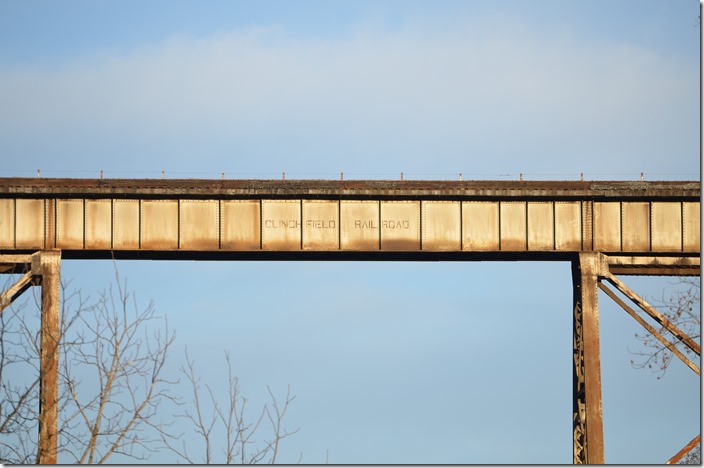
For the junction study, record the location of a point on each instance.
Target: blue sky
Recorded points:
(391, 363)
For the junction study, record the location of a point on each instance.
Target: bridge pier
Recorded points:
(588, 428)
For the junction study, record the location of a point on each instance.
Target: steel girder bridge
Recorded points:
(605, 229)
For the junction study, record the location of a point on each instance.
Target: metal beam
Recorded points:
(650, 328)
(15, 291)
(179, 219)
(652, 311)
(654, 265)
(588, 430)
(50, 262)
(685, 450)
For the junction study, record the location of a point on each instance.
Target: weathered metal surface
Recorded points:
(199, 225)
(98, 224)
(427, 189)
(607, 226)
(654, 265)
(568, 226)
(666, 235)
(541, 226)
(512, 226)
(432, 217)
(7, 223)
(588, 429)
(359, 225)
(691, 213)
(241, 225)
(635, 226)
(480, 226)
(442, 228)
(400, 225)
(321, 225)
(49, 359)
(29, 223)
(69, 224)
(126, 225)
(14, 291)
(159, 225)
(281, 224)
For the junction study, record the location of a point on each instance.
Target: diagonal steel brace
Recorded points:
(652, 311)
(650, 328)
(15, 290)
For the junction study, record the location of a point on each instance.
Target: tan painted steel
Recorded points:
(125, 225)
(359, 225)
(7, 223)
(281, 225)
(480, 226)
(321, 224)
(647, 217)
(588, 427)
(442, 230)
(99, 223)
(199, 224)
(29, 224)
(240, 225)
(400, 225)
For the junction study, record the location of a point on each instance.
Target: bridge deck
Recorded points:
(322, 219)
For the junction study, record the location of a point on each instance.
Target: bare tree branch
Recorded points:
(682, 308)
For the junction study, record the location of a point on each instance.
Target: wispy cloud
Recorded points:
(472, 96)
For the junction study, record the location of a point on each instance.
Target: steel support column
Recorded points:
(49, 263)
(588, 430)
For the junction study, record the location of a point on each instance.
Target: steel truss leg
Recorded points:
(44, 269)
(588, 429)
(49, 359)
(667, 325)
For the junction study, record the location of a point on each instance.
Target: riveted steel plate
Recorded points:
(125, 224)
(667, 226)
(691, 221)
(69, 224)
(568, 226)
(29, 224)
(199, 224)
(7, 223)
(442, 228)
(281, 224)
(359, 225)
(480, 226)
(240, 227)
(400, 225)
(513, 225)
(159, 225)
(636, 226)
(541, 226)
(607, 226)
(98, 224)
(321, 225)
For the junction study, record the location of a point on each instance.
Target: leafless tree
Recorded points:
(226, 427)
(112, 359)
(682, 308)
(110, 375)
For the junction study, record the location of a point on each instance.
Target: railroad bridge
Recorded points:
(604, 228)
